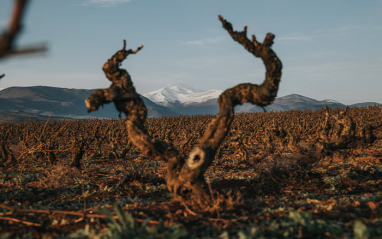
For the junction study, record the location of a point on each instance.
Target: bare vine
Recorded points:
(185, 178)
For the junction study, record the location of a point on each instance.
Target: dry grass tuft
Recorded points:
(60, 175)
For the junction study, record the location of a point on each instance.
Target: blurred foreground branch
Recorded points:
(9, 36)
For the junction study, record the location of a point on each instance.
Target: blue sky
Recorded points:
(330, 49)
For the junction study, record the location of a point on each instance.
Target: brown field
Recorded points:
(269, 180)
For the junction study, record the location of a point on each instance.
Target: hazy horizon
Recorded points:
(204, 91)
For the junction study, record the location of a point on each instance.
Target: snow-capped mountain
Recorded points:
(330, 101)
(181, 95)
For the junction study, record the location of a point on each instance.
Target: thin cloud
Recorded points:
(355, 27)
(301, 37)
(204, 41)
(104, 3)
(329, 32)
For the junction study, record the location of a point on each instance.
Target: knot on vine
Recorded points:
(196, 158)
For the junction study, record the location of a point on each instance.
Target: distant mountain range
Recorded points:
(188, 101)
(39, 102)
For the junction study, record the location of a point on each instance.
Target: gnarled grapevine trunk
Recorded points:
(185, 175)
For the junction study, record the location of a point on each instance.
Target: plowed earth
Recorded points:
(264, 193)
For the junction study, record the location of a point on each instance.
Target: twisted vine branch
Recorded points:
(185, 176)
(260, 95)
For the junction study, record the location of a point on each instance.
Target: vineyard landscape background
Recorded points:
(275, 186)
(287, 167)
